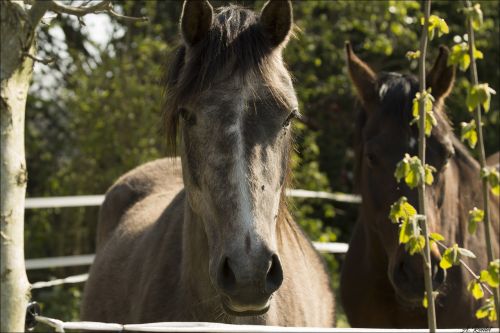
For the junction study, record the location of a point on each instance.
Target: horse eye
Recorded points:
(371, 159)
(294, 114)
(187, 116)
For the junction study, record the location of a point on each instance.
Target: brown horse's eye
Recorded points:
(371, 159)
(188, 117)
(294, 114)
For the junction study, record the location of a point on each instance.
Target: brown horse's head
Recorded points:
(231, 99)
(384, 136)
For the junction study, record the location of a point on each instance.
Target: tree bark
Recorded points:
(16, 72)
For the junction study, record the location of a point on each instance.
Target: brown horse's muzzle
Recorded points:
(406, 274)
(246, 283)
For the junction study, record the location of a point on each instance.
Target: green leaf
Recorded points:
(475, 14)
(402, 168)
(460, 56)
(479, 95)
(436, 24)
(468, 133)
(405, 232)
(430, 119)
(487, 310)
(435, 236)
(401, 211)
(493, 180)
(429, 178)
(450, 257)
(425, 300)
(491, 274)
(475, 216)
(475, 288)
(415, 244)
(413, 55)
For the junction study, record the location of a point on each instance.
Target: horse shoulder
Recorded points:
(163, 175)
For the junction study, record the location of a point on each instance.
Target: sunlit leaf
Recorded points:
(475, 288)
(475, 216)
(401, 211)
(494, 181)
(450, 257)
(487, 310)
(436, 236)
(479, 95)
(429, 178)
(413, 55)
(468, 133)
(491, 274)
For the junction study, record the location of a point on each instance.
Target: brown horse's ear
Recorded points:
(196, 20)
(277, 19)
(362, 76)
(441, 76)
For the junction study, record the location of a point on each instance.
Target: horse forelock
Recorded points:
(235, 47)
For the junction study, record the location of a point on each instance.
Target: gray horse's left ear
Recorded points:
(277, 19)
(196, 20)
(441, 77)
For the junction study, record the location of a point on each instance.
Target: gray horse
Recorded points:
(225, 248)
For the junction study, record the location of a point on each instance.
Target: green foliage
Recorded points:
(410, 168)
(413, 55)
(401, 211)
(469, 133)
(460, 56)
(475, 288)
(475, 216)
(425, 300)
(487, 310)
(430, 119)
(491, 274)
(493, 177)
(436, 24)
(480, 95)
(475, 14)
(452, 255)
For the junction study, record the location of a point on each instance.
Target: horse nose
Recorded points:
(249, 283)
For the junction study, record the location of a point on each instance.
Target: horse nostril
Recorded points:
(227, 278)
(274, 276)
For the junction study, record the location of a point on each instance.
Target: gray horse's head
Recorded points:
(231, 100)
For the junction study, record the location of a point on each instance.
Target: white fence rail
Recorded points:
(87, 259)
(96, 200)
(61, 326)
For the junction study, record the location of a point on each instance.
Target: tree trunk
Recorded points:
(16, 71)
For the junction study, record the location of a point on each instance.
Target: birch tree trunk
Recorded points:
(16, 71)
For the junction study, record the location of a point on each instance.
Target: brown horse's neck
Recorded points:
(195, 257)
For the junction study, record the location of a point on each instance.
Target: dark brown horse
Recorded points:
(381, 284)
(225, 248)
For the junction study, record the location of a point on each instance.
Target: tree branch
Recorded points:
(38, 59)
(38, 9)
(104, 6)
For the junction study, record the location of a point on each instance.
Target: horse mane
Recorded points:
(235, 45)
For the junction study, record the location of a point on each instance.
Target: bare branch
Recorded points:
(45, 61)
(104, 6)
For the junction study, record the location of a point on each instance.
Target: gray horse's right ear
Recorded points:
(277, 19)
(196, 20)
(363, 77)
